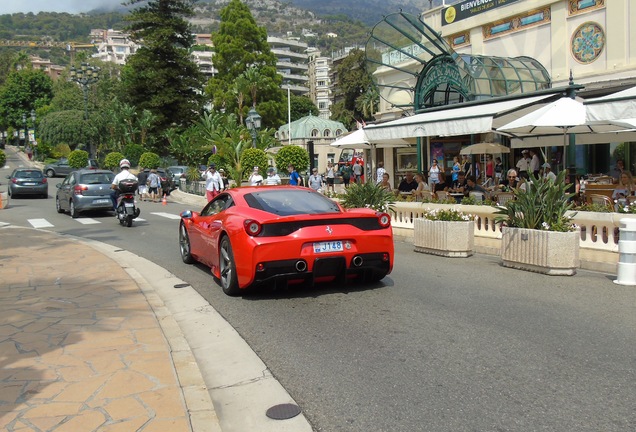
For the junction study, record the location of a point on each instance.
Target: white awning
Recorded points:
(463, 120)
(584, 138)
(620, 107)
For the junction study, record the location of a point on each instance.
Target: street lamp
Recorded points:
(253, 123)
(35, 141)
(85, 76)
(24, 128)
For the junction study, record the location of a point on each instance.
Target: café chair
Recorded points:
(442, 195)
(601, 200)
(425, 196)
(478, 196)
(504, 197)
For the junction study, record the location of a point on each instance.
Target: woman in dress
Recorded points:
(456, 168)
(434, 173)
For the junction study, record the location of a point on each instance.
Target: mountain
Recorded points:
(369, 12)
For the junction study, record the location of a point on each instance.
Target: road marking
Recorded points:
(87, 221)
(166, 215)
(4, 224)
(39, 223)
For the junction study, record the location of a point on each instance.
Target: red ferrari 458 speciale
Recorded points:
(285, 234)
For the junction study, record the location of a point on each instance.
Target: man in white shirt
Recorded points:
(272, 178)
(256, 179)
(547, 172)
(523, 165)
(379, 172)
(535, 163)
(124, 174)
(213, 182)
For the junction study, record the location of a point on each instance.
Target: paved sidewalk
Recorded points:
(82, 348)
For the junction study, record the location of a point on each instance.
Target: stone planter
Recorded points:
(547, 252)
(444, 238)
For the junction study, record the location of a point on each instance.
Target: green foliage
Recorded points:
(292, 155)
(354, 82)
(61, 150)
(541, 206)
(449, 215)
(133, 152)
(78, 159)
(67, 127)
(44, 150)
(593, 207)
(252, 157)
(193, 174)
(369, 195)
(3, 158)
(241, 45)
(301, 106)
(161, 77)
(149, 160)
(111, 161)
(24, 90)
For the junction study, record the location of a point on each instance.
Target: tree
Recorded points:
(353, 82)
(23, 91)
(302, 106)
(66, 127)
(161, 77)
(241, 49)
(292, 155)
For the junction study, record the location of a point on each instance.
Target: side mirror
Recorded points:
(187, 214)
(59, 185)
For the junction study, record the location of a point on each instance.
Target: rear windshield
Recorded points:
(29, 174)
(286, 202)
(97, 178)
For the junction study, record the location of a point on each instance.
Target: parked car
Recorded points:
(85, 190)
(285, 234)
(62, 168)
(28, 181)
(178, 172)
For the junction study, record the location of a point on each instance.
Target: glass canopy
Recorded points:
(417, 53)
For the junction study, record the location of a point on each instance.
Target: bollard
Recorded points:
(626, 273)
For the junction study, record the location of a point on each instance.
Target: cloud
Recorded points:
(70, 6)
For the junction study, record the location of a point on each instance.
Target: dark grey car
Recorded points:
(85, 190)
(27, 181)
(62, 168)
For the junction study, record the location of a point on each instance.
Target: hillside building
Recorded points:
(291, 62)
(320, 82)
(113, 46)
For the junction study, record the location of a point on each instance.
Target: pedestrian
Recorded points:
(498, 170)
(434, 173)
(255, 179)
(346, 173)
(315, 180)
(523, 164)
(142, 177)
(213, 182)
(535, 162)
(357, 171)
(331, 177)
(154, 182)
(272, 178)
(294, 177)
(226, 181)
(29, 151)
(379, 172)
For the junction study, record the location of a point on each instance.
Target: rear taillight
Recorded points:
(79, 189)
(252, 227)
(14, 180)
(384, 219)
(44, 180)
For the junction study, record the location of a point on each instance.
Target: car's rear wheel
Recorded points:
(227, 267)
(184, 245)
(73, 210)
(58, 205)
(50, 173)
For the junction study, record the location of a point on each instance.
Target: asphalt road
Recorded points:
(440, 345)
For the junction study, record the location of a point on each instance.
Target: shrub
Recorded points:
(149, 160)
(368, 195)
(252, 157)
(3, 158)
(111, 161)
(61, 150)
(133, 152)
(292, 155)
(78, 159)
(44, 150)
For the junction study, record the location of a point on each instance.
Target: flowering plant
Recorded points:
(542, 206)
(450, 215)
(625, 207)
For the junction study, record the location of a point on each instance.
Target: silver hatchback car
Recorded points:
(85, 190)
(28, 181)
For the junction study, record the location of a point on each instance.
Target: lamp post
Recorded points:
(253, 123)
(35, 141)
(85, 76)
(24, 128)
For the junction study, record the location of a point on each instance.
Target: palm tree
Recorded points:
(367, 103)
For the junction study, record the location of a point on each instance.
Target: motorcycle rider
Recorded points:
(124, 174)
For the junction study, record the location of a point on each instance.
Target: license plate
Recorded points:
(330, 246)
(101, 201)
(129, 205)
(30, 184)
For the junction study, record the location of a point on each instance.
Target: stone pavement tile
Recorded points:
(165, 402)
(53, 409)
(80, 391)
(85, 421)
(168, 425)
(126, 408)
(155, 365)
(42, 391)
(46, 423)
(124, 383)
(130, 425)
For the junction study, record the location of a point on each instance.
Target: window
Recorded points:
(314, 132)
(322, 105)
(326, 133)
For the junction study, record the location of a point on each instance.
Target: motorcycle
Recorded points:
(126, 210)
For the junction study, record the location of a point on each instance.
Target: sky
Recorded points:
(70, 6)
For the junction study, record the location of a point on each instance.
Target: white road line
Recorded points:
(39, 223)
(3, 224)
(166, 215)
(88, 221)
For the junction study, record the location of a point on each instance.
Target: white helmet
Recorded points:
(124, 163)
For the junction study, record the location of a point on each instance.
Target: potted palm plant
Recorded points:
(445, 232)
(537, 234)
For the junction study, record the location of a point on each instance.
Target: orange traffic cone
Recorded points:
(164, 201)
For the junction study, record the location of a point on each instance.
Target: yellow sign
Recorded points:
(450, 15)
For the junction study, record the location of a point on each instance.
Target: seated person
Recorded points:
(441, 185)
(624, 187)
(472, 186)
(459, 185)
(408, 184)
(510, 182)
